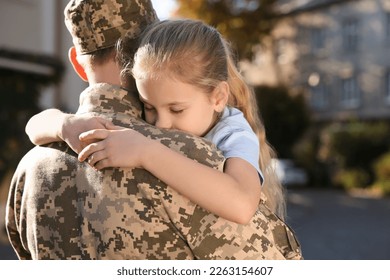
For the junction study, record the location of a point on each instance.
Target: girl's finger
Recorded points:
(95, 158)
(104, 122)
(109, 125)
(89, 150)
(104, 163)
(95, 134)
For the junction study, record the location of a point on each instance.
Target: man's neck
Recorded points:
(108, 72)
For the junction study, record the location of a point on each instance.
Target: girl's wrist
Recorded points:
(150, 152)
(64, 121)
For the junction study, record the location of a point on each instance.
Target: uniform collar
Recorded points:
(109, 99)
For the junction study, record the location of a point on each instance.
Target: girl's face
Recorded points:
(172, 104)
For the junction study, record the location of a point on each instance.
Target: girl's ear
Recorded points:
(220, 96)
(76, 65)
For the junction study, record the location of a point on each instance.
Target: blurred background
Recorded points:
(321, 73)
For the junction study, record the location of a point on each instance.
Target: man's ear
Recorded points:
(76, 65)
(220, 96)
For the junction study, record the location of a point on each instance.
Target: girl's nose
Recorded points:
(163, 122)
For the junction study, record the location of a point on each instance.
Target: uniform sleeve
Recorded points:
(265, 237)
(14, 224)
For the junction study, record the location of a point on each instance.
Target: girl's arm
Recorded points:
(52, 125)
(45, 127)
(233, 194)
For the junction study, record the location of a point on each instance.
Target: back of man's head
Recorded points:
(98, 24)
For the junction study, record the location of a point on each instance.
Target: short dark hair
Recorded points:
(101, 56)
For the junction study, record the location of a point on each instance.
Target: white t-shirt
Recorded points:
(233, 135)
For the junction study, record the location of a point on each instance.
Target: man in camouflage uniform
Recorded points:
(60, 208)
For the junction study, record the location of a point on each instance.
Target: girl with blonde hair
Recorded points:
(187, 80)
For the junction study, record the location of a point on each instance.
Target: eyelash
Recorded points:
(148, 108)
(176, 112)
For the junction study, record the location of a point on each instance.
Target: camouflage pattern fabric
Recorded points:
(264, 237)
(98, 25)
(59, 208)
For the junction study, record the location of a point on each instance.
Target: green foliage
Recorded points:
(286, 117)
(19, 94)
(382, 186)
(357, 144)
(382, 172)
(244, 23)
(352, 178)
(351, 149)
(307, 152)
(346, 154)
(382, 167)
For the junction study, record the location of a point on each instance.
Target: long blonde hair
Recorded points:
(195, 53)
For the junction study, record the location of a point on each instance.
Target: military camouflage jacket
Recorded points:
(59, 208)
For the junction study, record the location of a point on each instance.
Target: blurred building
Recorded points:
(337, 51)
(34, 45)
(35, 28)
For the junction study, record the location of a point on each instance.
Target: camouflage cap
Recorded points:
(98, 24)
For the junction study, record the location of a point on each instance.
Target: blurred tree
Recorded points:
(22, 78)
(286, 117)
(353, 147)
(243, 22)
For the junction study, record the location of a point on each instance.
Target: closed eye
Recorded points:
(175, 111)
(148, 107)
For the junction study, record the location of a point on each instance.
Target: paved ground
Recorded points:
(334, 226)
(7, 253)
(330, 226)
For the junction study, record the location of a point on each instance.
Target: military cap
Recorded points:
(98, 24)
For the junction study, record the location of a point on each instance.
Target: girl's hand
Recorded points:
(74, 125)
(117, 147)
